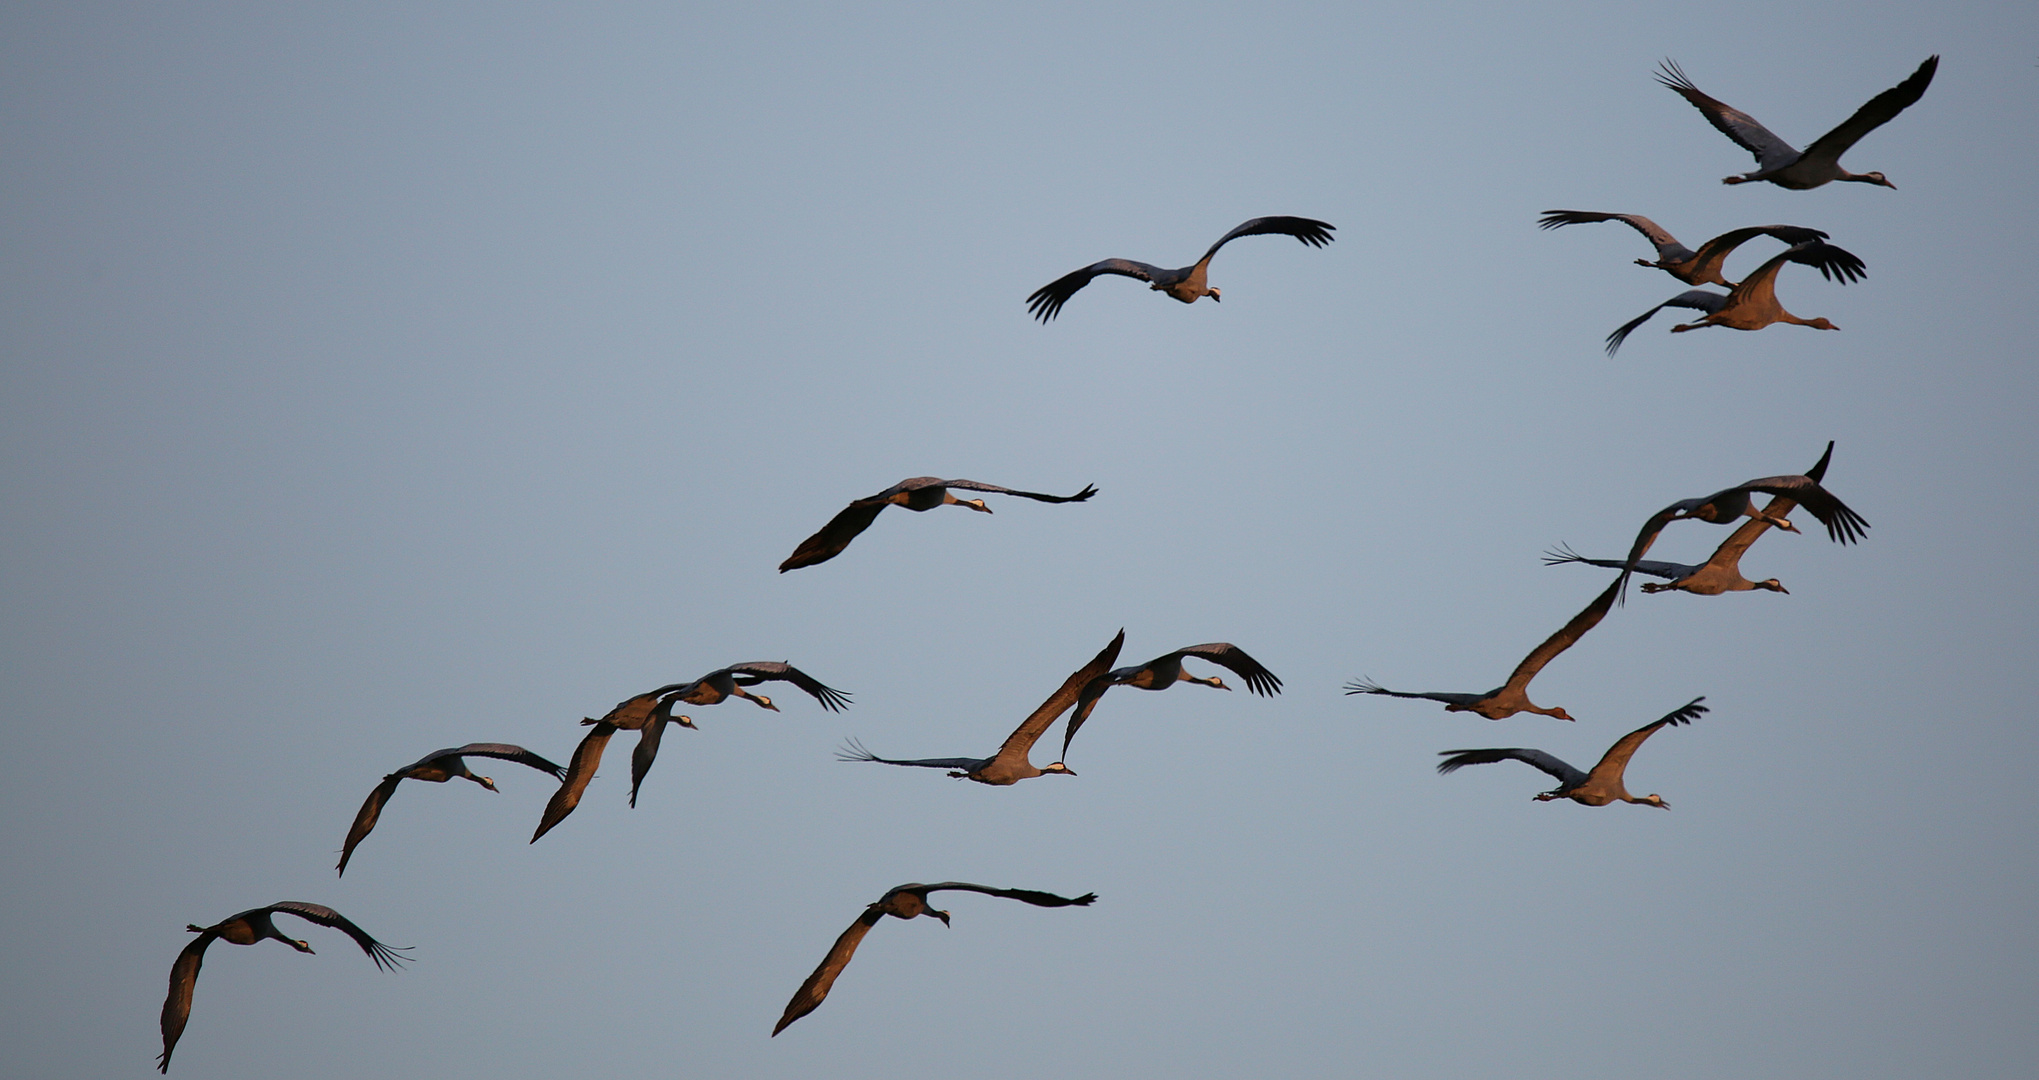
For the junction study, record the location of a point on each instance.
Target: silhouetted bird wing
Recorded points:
(1615, 760)
(1833, 263)
(507, 752)
(384, 956)
(1311, 232)
(972, 485)
(586, 758)
(1875, 113)
(1021, 741)
(646, 750)
(364, 822)
(177, 1006)
(1368, 686)
(1258, 679)
(1844, 526)
(1696, 299)
(854, 751)
(834, 536)
(1669, 570)
(815, 990)
(1771, 152)
(758, 671)
(1566, 775)
(1668, 247)
(1031, 896)
(1563, 639)
(1046, 301)
(1086, 700)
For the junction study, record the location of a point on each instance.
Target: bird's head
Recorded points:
(765, 702)
(1543, 796)
(939, 914)
(1216, 682)
(1821, 324)
(1878, 178)
(1559, 712)
(1214, 295)
(1656, 801)
(685, 722)
(487, 783)
(300, 946)
(1785, 524)
(1057, 767)
(975, 504)
(1773, 585)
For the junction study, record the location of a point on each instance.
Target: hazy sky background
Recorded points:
(377, 380)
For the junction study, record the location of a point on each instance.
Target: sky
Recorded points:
(376, 379)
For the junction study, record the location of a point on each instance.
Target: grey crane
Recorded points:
(918, 493)
(437, 768)
(1598, 788)
(1703, 267)
(1512, 696)
(1186, 284)
(247, 928)
(901, 902)
(1165, 671)
(1011, 765)
(1844, 526)
(1776, 161)
(649, 713)
(1750, 305)
(1722, 572)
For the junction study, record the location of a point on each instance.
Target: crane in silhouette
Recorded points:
(1186, 284)
(1597, 788)
(437, 768)
(919, 493)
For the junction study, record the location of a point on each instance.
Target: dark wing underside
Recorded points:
(1565, 774)
(1258, 679)
(1046, 301)
(177, 1006)
(1310, 231)
(1031, 896)
(1368, 686)
(758, 671)
(1770, 151)
(834, 536)
(815, 990)
(385, 958)
(586, 758)
(854, 751)
(507, 752)
(1696, 299)
(1668, 247)
(1875, 113)
(364, 822)
(972, 485)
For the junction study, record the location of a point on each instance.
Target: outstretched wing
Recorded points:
(1875, 113)
(1616, 759)
(834, 536)
(1771, 151)
(1844, 526)
(972, 485)
(1014, 751)
(507, 752)
(364, 822)
(384, 956)
(1038, 899)
(1454, 760)
(1563, 639)
(1310, 231)
(646, 750)
(1086, 700)
(586, 758)
(1669, 570)
(1258, 679)
(1696, 299)
(815, 990)
(758, 671)
(1046, 301)
(1668, 247)
(177, 1006)
(854, 751)
(1368, 686)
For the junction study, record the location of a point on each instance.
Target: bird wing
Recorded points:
(834, 536)
(758, 671)
(1310, 231)
(1085, 702)
(1668, 570)
(815, 990)
(1038, 899)
(364, 822)
(1771, 151)
(1696, 299)
(646, 750)
(1258, 679)
(1563, 639)
(1844, 526)
(507, 752)
(1014, 751)
(1615, 760)
(1875, 113)
(972, 485)
(1834, 264)
(1046, 301)
(177, 1006)
(1455, 760)
(1648, 535)
(1368, 686)
(581, 769)
(384, 956)
(1668, 247)
(854, 751)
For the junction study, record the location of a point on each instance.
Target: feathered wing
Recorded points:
(384, 956)
(177, 1006)
(1615, 761)
(1668, 570)
(1833, 263)
(1031, 896)
(1085, 702)
(1696, 299)
(1046, 301)
(646, 750)
(1258, 679)
(364, 822)
(758, 671)
(1016, 746)
(1368, 686)
(1563, 639)
(854, 751)
(1844, 526)
(1668, 247)
(1770, 151)
(508, 752)
(972, 485)
(581, 769)
(834, 536)
(815, 990)
(1875, 113)
(1730, 552)
(1565, 774)
(1308, 230)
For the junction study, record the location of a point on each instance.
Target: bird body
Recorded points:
(1703, 267)
(919, 493)
(1776, 160)
(247, 928)
(1187, 284)
(1751, 304)
(1011, 765)
(1165, 671)
(437, 768)
(1512, 696)
(1598, 788)
(901, 902)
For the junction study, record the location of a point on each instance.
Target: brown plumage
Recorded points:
(1703, 267)
(247, 928)
(1776, 160)
(1598, 788)
(437, 768)
(1751, 305)
(1187, 284)
(918, 493)
(901, 902)
(1165, 671)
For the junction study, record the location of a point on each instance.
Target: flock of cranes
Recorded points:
(1749, 305)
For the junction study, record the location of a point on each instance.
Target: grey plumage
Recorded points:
(1703, 267)
(1776, 160)
(1599, 787)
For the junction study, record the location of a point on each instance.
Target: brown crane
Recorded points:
(919, 493)
(247, 928)
(1010, 765)
(1165, 671)
(901, 902)
(1776, 160)
(437, 768)
(1598, 788)
(1186, 284)
(1703, 267)
(1751, 305)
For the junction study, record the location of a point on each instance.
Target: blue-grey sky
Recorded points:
(374, 380)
